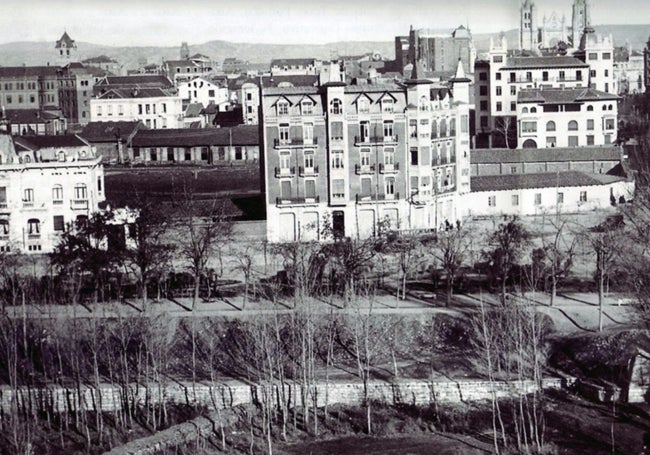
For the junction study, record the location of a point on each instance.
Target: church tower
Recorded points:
(527, 31)
(185, 51)
(580, 20)
(66, 49)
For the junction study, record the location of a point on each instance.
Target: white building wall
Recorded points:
(156, 112)
(202, 91)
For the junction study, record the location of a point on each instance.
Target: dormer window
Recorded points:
(387, 105)
(363, 105)
(336, 106)
(307, 107)
(61, 155)
(283, 108)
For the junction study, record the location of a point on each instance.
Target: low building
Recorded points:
(46, 183)
(133, 82)
(195, 146)
(35, 121)
(295, 66)
(203, 90)
(155, 107)
(545, 193)
(111, 139)
(105, 63)
(186, 69)
(569, 117)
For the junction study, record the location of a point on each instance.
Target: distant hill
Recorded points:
(40, 53)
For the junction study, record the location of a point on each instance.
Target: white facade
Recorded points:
(250, 101)
(587, 117)
(201, 90)
(598, 52)
(549, 200)
(163, 111)
(39, 200)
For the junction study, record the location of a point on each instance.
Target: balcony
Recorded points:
(285, 202)
(364, 169)
(57, 202)
(308, 171)
(388, 168)
(79, 204)
(369, 140)
(294, 142)
(371, 198)
(285, 172)
(34, 236)
(443, 161)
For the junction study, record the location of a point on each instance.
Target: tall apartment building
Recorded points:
(436, 53)
(360, 157)
(46, 183)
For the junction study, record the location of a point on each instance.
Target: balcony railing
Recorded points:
(366, 140)
(34, 236)
(280, 201)
(28, 204)
(285, 172)
(79, 204)
(364, 169)
(381, 197)
(294, 142)
(388, 168)
(57, 202)
(303, 171)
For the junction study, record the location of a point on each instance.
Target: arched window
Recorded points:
(529, 144)
(336, 106)
(610, 107)
(434, 129)
(550, 125)
(28, 159)
(573, 125)
(604, 107)
(33, 226)
(61, 155)
(57, 194)
(524, 110)
(80, 191)
(533, 110)
(590, 108)
(443, 128)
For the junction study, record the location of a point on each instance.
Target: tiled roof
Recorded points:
(561, 96)
(141, 80)
(291, 91)
(39, 142)
(543, 62)
(65, 38)
(542, 180)
(99, 59)
(20, 116)
(240, 135)
(194, 110)
(302, 80)
(151, 92)
(109, 131)
(292, 61)
(28, 71)
(555, 154)
(373, 88)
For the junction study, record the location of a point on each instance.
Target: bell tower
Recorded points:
(66, 49)
(581, 19)
(527, 39)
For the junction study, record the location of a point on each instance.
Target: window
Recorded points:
(364, 131)
(515, 199)
(499, 106)
(609, 124)
(336, 106)
(464, 124)
(59, 224)
(497, 59)
(562, 75)
(483, 105)
(551, 141)
(387, 105)
(3, 196)
(443, 128)
(414, 156)
(524, 110)
(336, 132)
(528, 127)
(4, 227)
(283, 108)
(310, 189)
(590, 108)
(573, 125)
(389, 157)
(308, 133)
(607, 56)
(309, 160)
(560, 198)
(434, 128)
(545, 75)
(365, 157)
(388, 129)
(492, 201)
(285, 189)
(337, 159)
(33, 226)
(590, 124)
(307, 107)
(482, 77)
(153, 153)
(592, 73)
(285, 160)
(28, 195)
(482, 90)
(593, 56)
(204, 154)
(513, 106)
(590, 139)
(284, 133)
(498, 76)
(239, 153)
(389, 186)
(573, 141)
(578, 75)
(363, 105)
(80, 191)
(498, 91)
(57, 194)
(529, 76)
(338, 188)
(538, 198)
(583, 196)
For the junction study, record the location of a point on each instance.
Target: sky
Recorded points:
(169, 22)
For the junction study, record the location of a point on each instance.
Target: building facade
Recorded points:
(155, 107)
(439, 54)
(204, 91)
(361, 157)
(46, 184)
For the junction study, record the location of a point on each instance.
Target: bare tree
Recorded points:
(506, 127)
(450, 250)
(560, 250)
